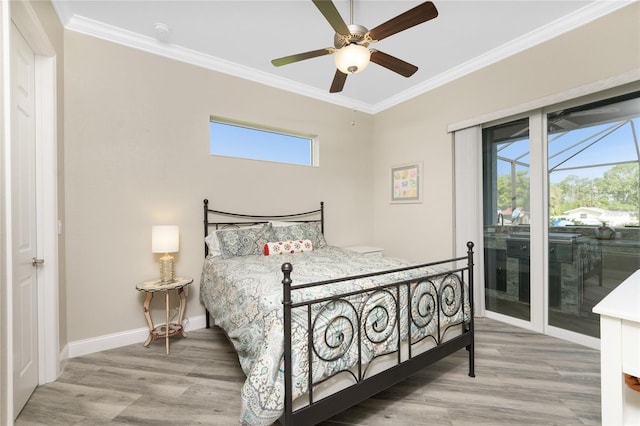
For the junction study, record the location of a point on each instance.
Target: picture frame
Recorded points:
(406, 183)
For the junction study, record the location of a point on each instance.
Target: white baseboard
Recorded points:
(124, 338)
(63, 357)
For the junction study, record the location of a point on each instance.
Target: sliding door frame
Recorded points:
(539, 244)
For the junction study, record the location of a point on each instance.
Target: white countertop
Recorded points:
(624, 301)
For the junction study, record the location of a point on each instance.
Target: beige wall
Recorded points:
(417, 130)
(137, 154)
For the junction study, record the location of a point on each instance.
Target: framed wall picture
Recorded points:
(406, 183)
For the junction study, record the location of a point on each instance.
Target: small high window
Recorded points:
(235, 139)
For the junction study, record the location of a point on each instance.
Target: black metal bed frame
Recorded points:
(425, 301)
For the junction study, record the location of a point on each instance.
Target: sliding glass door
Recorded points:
(594, 206)
(561, 209)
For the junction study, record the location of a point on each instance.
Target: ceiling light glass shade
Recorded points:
(352, 58)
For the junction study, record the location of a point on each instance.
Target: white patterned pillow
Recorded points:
(300, 231)
(282, 247)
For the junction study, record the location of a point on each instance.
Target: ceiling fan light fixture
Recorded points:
(352, 58)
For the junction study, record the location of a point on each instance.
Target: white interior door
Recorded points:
(23, 222)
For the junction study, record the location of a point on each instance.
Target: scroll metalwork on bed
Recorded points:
(349, 332)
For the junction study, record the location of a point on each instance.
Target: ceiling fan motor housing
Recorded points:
(359, 35)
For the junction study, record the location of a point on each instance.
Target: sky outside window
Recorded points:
(231, 140)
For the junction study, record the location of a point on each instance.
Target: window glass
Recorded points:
(233, 139)
(593, 163)
(506, 191)
(594, 234)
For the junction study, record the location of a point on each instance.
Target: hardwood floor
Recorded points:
(521, 378)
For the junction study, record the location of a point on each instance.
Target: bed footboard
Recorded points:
(413, 322)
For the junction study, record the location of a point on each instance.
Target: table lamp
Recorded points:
(165, 239)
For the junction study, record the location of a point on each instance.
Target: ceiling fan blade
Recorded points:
(331, 14)
(419, 14)
(302, 56)
(392, 63)
(338, 82)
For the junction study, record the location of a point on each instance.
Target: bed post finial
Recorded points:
(286, 270)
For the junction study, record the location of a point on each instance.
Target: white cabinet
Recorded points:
(620, 352)
(373, 251)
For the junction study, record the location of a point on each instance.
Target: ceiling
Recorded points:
(241, 37)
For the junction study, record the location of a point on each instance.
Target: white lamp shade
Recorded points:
(352, 58)
(165, 239)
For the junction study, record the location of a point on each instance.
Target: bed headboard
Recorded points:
(217, 219)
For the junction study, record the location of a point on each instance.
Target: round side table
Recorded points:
(167, 329)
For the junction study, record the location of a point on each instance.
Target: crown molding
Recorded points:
(547, 32)
(117, 35)
(114, 34)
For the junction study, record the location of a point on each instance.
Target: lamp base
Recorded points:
(167, 269)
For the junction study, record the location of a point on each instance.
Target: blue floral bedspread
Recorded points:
(244, 297)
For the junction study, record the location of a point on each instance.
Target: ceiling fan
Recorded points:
(351, 42)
